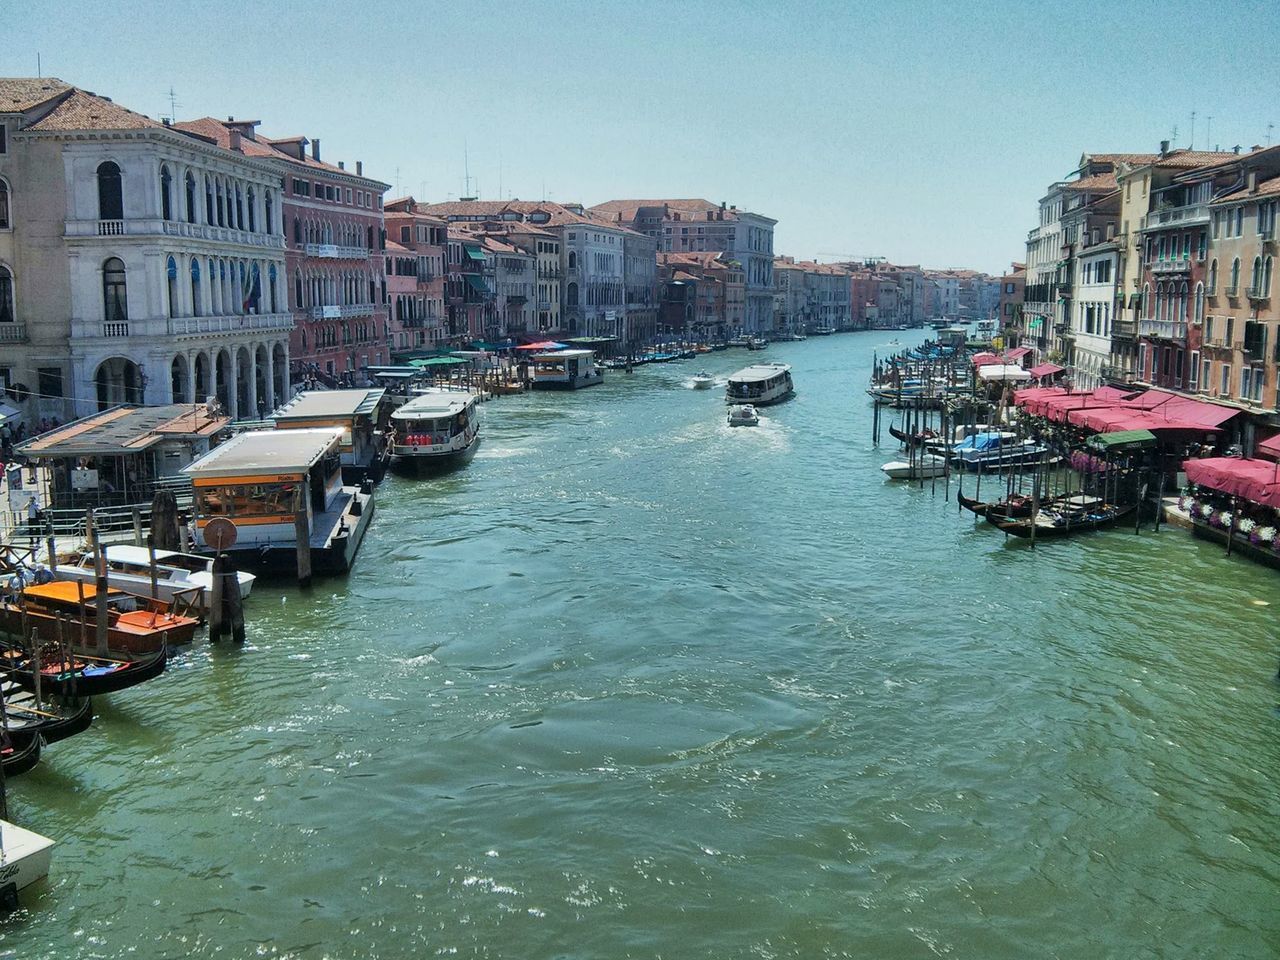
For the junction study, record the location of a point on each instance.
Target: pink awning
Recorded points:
(1256, 480)
(1057, 408)
(1270, 447)
(1151, 399)
(982, 359)
(1197, 411)
(1114, 393)
(1017, 353)
(1024, 397)
(1046, 370)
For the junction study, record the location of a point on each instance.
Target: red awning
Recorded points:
(1256, 480)
(982, 359)
(1151, 399)
(1197, 411)
(1046, 370)
(1270, 446)
(1017, 353)
(1119, 418)
(1024, 397)
(1057, 408)
(1114, 393)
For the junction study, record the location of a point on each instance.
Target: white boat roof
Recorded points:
(759, 371)
(331, 403)
(434, 405)
(267, 451)
(127, 553)
(18, 843)
(562, 354)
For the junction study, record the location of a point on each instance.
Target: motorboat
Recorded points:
(742, 340)
(441, 428)
(743, 415)
(703, 380)
(760, 384)
(178, 575)
(920, 468)
(566, 370)
(997, 450)
(134, 625)
(24, 857)
(757, 343)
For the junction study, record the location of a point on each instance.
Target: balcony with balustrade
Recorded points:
(1185, 216)
(150, 228)
(1162, 268)
(1163, 329)
(334, 251)
(235, 323)
(13, 332)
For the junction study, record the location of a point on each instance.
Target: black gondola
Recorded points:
(54, 719)
(84, 676)
(1055, 524)
(18, 754)
(911, 441)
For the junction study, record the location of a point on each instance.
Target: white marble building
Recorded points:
(163, 252)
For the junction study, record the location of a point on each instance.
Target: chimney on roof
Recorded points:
(1236, 149)
(722, 204)
(359, 168)
(342, 164)
(732, 207)
(167, 120)
(1251, 181)
(1255, 148)
(315, 150)
(235, 141)
(1164, 148)
(230, 119)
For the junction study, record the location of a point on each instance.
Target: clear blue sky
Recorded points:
(923, 132)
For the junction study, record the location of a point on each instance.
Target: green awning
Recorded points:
(1121, 440)
(1035, 324)
(476, 282)
(437, 362)
(475, 251)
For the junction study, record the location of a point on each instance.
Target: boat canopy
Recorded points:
(1255, 480)
(984, 441)
(434, 405)
(267, 452)
(1122, 440)
(311, 404)
(759, 372)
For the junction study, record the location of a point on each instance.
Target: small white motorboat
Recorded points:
(922, 468)
(743, 415)
(703, 380)
(24, 856)
(129, 569)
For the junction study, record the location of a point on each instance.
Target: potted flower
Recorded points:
(1265, 534)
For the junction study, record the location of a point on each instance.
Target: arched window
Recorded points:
(1182, 304)
(110, 192)
(7, 313)
(1199, 314)
(1213, 276)
(166, 193)
(573, 260)
(1255, 277)
(370, 235)
(5, 224)
(209, 216)
(1159, 306)
(115, 301)
(1147, 303)
(253, 217)
(221, 205)
(1234, 286)
(271, 279)
(171, 277)
(571, 294)
(297, 289)
(195, 287)
(239, 224)
(190, 182)
(1266, 278)
(270, 207)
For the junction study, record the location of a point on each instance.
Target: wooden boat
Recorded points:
(1061, 522)
(135, 625)
(1018, 506)
(911, 439)
(82, 675)
(182, 578)
(18, 754)
(52, 719)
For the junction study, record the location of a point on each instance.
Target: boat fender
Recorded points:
(9, 898)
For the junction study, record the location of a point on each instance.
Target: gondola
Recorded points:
(923, 437)
(18, 754)
(54, 719)
(1057, 524)
(83, 675)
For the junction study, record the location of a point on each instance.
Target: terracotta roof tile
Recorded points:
(87, 111)
(1267, 188)
(558, 215)
(629, 209)
(22, 93)
(1099, 181)
(216, 131)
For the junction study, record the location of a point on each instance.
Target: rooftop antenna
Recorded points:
(38, 73)
(1208, 133)
(173, 104)
(1192, 144)
(1173, 137)
(422, 191)
(466, 171)
(398, 182)
(1270, 127)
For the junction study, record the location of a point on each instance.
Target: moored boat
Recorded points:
(180, 577)
(1064, 519)
(565, 370)
(18, 754)
(24, 858)
(921, 468)
(51, 718)
(82, 674)
(135, 625)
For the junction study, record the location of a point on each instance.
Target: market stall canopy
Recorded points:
(984, 358)
(1017, 353)
(1045, 370)
(1002, 372)
(1058, 408)
(1270, 447)
(1122, 440)
(1031, 395)
(1197, 411)
(1256, 480)
(1122, 417)
(1114, 393)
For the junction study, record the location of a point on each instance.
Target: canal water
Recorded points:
(636, 684)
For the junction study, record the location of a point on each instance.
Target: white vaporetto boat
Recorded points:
(760, 384)
(129, 569)
(743, 415)
(438, 428)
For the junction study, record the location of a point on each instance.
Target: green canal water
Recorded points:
(634, 684)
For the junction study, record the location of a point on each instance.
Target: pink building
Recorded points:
(417, 316)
